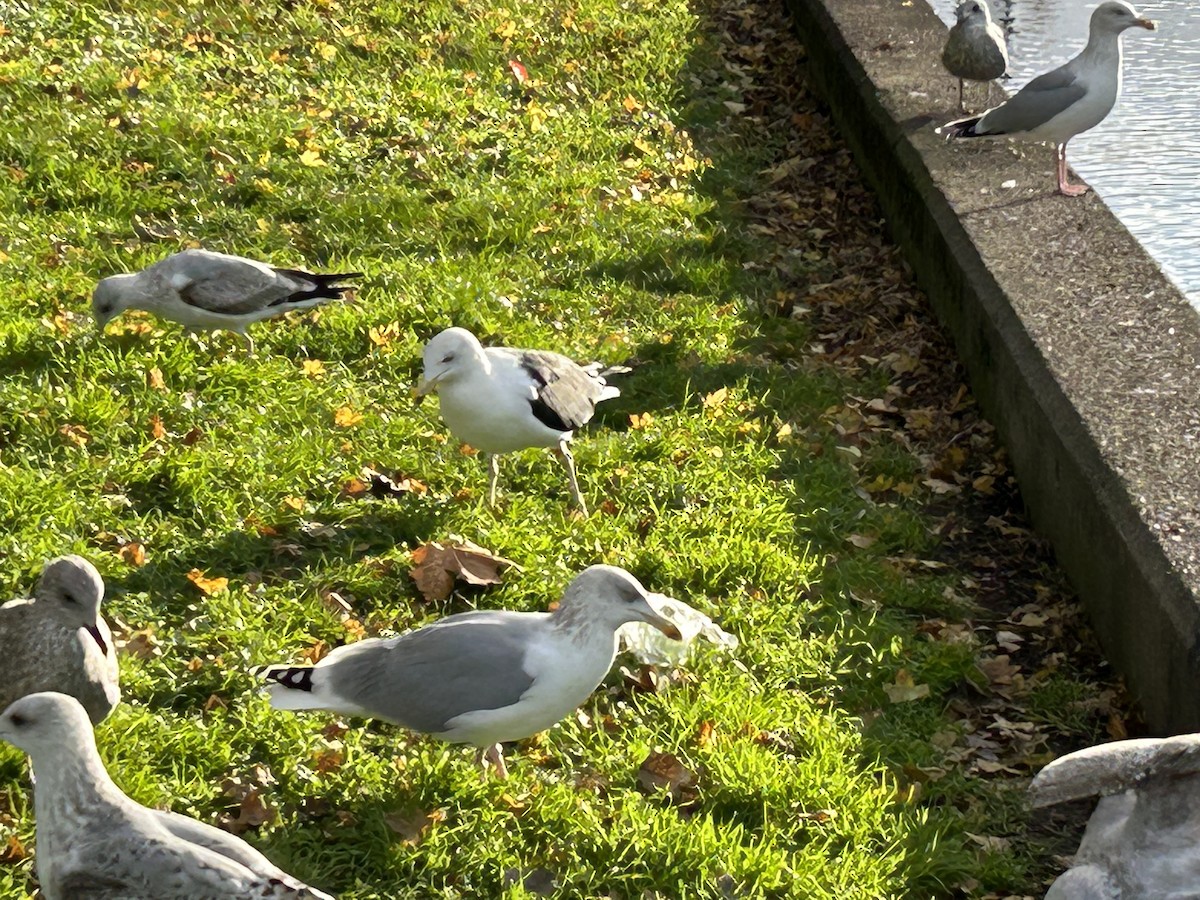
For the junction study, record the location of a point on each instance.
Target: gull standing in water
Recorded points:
(1067, 101)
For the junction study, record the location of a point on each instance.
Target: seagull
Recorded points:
(1058, 105)
(480, 677)
(58, 641)
(205, 290)
(1141, 839)
(975, 48)
(499, 400)
(94, 842)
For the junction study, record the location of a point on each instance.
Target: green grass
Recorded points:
(390, 137)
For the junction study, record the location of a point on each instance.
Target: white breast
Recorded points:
(492, 412)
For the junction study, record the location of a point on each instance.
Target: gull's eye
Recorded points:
(68, 597)
(449, 357)
(18, 720)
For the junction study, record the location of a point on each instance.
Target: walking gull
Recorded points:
(1058, 105)
(94, 842)
(975, 49)
(499, 400)
(58, 641)
(480, 677)
(205, 290)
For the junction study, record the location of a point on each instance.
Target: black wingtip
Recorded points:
(296, 678)
(960, 128)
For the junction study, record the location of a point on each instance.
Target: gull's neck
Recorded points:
(1102, 47)
(72, 784)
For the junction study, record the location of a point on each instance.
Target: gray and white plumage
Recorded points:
(201, 289)
(975, 48)
(1140, 841)
(1067, 101)
(95, 843)
(499, 400)
(58, 640)
(479, 678)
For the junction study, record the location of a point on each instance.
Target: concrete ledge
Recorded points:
(1078, 348)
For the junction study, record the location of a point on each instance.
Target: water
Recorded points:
(1144, 159)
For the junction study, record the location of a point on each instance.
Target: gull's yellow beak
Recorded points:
(1148, 24)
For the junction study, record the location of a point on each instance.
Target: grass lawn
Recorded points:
(621, 194)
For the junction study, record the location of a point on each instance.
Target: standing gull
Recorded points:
(480, 678)
(58, 641)
(205, 290)
(95, 843)
(975, 49)
(1058, 105)
(499, 400)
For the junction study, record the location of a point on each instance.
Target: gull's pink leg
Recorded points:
(495, 755)
(1064, 186)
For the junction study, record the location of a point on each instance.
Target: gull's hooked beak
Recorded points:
(662, 623)
(94, 631)
(427, 386)
(1148, 24)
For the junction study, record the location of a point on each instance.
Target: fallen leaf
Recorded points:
(252, 813)
(631, 105)
(158, 431)
(14, 851)
(208, 586)
(639, 421)
(141, 644)
(412, 824)
(861, 541)
(312, 159)
(155, 380)
(192, 437)
(437, 566)
(133, 554)
(345, 417)
(905, 690)
(663, 773)
(518, 71)
(76, 435)
(312, 368)
(706, 734)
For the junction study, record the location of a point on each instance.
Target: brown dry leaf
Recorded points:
(706, 734)
(141, 644)
(14, 851)
(998, 669)
(315, 653)
(905, 690)
(155, 380)
(158, 431)
(660, 771)
(437, 565)
(631, 105)
(208, 586)
(328, 760)
(192, 437)
(353, 487)
(76, 435)
(411, 824)
(345, 417)
(861, 541)
(133, 554)
(252, 813)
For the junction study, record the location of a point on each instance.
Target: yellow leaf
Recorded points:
(158, 431)
(345, 417)
(312, 159)
(295, 503)
(507, 30)
(716, 398)
(312, 368)
(133, 554)
(327, 51)
(639, 421)
(631, 105)
(155, 380)
(905, 690)
(76, 435)
(208, 586)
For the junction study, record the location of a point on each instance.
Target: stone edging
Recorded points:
(1082, 353)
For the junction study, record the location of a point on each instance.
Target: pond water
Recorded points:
(1144, 159)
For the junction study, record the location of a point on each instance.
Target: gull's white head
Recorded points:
(609, 596)
(973, 9)
(71, 587)
(1114, 16)
(449, 355)
(112, 297)
(45, 723)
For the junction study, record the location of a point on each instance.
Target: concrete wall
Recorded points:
(1078, 348)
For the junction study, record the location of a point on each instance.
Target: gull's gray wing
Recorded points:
(567, 393)
(425, 678)
(214, 839)
(1035, 104)
(224, 284)
(1111, 768)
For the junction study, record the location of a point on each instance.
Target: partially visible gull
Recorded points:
(58, 641)
(975, 48)
(1140, 841)
(205, 290)
(479, 678)
(1058, 105)
(95, 843)
(500, 400)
